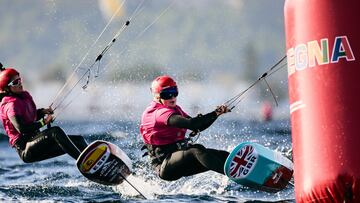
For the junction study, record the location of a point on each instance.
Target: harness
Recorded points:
(20, 143)
(158, 153)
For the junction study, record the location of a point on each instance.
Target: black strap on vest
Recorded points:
(20, 143)
(159, 152)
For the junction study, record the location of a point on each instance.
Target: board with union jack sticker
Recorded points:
(258, 167)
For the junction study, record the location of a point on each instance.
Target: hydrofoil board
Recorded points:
(104, 163)
(256, 166)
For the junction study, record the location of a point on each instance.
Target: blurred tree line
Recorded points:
(193, 40)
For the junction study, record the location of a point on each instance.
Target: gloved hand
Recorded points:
(48, 119)
(48, 111)
(221, 110)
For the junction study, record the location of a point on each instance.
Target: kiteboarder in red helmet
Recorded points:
(163, 127)
(22, 123)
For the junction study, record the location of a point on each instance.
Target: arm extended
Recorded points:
(198, 123)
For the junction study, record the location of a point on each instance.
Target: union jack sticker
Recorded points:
(243, 162)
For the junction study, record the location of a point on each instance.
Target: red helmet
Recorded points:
(161, 83)
(5, 77)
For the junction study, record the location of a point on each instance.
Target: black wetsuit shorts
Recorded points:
(49, 143)
(193, 160)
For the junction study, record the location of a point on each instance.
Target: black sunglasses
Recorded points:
(169, 92)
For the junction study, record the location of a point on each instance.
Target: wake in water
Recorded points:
(207, 186)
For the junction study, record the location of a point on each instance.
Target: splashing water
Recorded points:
(59, 180)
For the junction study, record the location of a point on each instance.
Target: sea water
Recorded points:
(58, 179)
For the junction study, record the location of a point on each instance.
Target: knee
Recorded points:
(166, 173)
(198, 149)
(164, 176)
(26, 159)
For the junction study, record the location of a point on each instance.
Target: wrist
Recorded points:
(42, 122)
